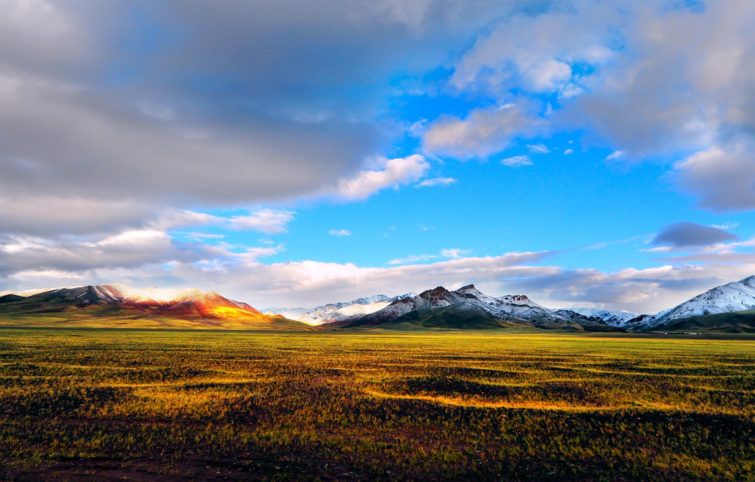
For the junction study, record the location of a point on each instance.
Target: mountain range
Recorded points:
(727, 308)
(724, 308)
(469, 308)
(342, 311)
(118, 305)
(713, 305)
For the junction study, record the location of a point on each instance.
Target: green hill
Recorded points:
(465, 317)
(736, 322)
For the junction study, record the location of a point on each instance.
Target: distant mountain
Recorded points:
(730, 298)
(467, 307)
(726, 308)
(613, 318)
(121, 305)
(343, 311)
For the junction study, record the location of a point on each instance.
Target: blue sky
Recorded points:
(584, 152)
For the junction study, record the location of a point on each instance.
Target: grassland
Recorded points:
(171, 405)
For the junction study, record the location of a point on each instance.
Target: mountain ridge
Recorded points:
(338, 312)
(120, 304)
(737, 296)
(436, 307)
(466, 307)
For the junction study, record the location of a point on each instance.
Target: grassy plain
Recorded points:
(172, 405)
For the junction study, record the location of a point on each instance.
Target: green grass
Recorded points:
(104, 316)
(736, 322)
(212, 405)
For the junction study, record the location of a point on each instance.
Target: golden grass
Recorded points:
(455, 406)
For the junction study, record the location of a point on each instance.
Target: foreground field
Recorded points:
(161, 405)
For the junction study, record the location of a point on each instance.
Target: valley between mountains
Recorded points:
(729, 308)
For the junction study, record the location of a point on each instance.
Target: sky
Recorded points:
(585, 153)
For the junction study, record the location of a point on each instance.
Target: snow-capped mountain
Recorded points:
(338, 311)
(728, 298)
(517, 308)
(181, 303)
(613, 318)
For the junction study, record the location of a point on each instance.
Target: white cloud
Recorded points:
(437, 181)
(538, 148)
(339, 232)
(568, 152)
(148, 258)
(535, 52)
(267, 221)
(661, 79)
(517, 161)
(394, 172)
(615, 155)
(547, 76)
(729, 225)
(482, 133)
(263, 220)
(127, 249)
(455, 253)
(309, 283)
(412, 259)
(418, 128)
(202, 236)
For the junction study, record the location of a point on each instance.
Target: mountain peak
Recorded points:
(439, 293)
(517, 297)
(174, 304)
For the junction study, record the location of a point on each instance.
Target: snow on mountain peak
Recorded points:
(731, 297)
(469, 297)
(339, 311)
(613, 318)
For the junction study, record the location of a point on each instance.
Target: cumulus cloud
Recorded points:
(691, 235)
(648, 79)
(393, 172)
(680, 82)
(536, 53)
(339, 232)
(482, 133)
